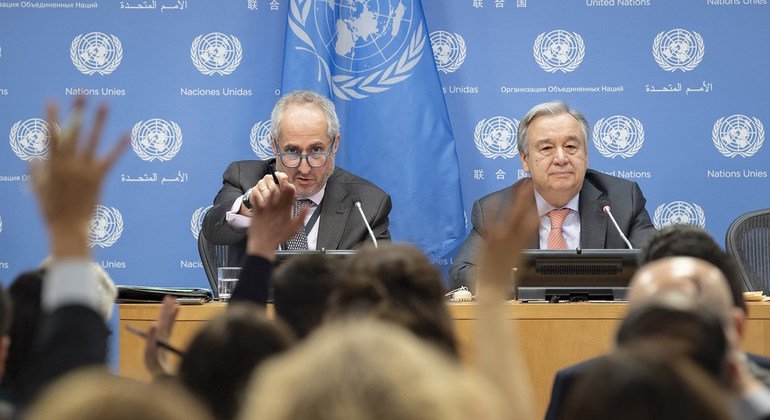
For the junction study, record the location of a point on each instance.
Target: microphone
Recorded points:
(606, 209)
(357, 203)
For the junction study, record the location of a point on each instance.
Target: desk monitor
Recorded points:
(574, 275)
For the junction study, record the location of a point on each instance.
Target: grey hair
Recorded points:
(305, 97)
(553, 109)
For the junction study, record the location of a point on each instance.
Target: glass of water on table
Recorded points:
(227, 278)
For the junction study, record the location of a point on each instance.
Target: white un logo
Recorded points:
(679, 212)
(1, 225)
(738, 135)
(559, 51)
(106, 226)
(96, 53)
(31, 139)
(260, 140)
(196, 222)
(216, 53)
(678, 49)
(618, 135)
(156, 139)
(372, 45)
(448, 50)
(496, 137)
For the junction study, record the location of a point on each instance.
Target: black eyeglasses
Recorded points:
(314, 159)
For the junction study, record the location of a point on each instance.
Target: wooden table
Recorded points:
(552, 336)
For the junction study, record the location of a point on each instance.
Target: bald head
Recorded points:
(686, 277)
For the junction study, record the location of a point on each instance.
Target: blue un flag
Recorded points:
(374, 59)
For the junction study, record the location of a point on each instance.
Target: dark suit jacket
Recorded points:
(596, 231)
(70, 338)
(340, 226)
(566, 379)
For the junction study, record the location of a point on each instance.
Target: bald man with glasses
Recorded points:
(305, 139)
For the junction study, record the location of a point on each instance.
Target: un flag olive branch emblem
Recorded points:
(96, 53)
(359, 84)
(259, 139)
(496, 137)
(738, 135)
(679, 212)
(156, 139)
(31, 139)
(448, 51)
(216, 53)
(678, 49)
(559, 50)
(618, 135)
(106, 226)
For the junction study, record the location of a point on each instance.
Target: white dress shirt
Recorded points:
(571, 227)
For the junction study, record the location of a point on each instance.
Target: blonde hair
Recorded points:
(94, 394)
(368, 370)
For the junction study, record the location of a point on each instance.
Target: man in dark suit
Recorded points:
(305, 138)
(552, 143)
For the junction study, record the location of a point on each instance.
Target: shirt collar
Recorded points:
(543, 207)
(317, 197)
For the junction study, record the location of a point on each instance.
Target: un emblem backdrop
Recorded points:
(675, 94)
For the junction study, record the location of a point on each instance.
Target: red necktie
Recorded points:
(555, 236)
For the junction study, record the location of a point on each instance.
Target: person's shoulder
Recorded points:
(351, 180)
(579, 368)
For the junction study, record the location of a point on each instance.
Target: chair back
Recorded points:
(748, 242)
(213, 256)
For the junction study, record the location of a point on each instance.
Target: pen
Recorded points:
(161, 343)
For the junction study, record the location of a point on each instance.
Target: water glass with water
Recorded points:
(227, 278)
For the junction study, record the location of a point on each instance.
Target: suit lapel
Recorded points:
(593, 223)
(334, 214)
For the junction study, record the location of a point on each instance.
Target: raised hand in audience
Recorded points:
(272, 222)
(155, 357)
(68, 183)
(499, 357)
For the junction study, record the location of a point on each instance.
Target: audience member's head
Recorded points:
(410, 287)
(701, 282)
(676, 325)
(25, 295)
(94, 394)
(302, 286)
(367, 370)
(694, 278)
(642, 384)
(684, 240)
(221, 358)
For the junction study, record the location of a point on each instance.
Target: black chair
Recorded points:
(213, 257)
(748, 242)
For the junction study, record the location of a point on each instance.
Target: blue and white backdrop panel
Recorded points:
(676, 94)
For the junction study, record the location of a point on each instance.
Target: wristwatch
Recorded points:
(245, 199)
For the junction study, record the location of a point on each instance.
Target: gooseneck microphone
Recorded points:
(606, 209)
(357, 203)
